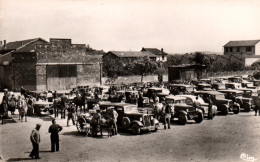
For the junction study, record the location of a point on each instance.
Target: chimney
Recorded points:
(4, 44)
(143, 49)
(162, 50)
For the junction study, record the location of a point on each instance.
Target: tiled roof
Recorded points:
(154, 51)
(241, 43)
(17, 44)
(28, 48)
(132, 53)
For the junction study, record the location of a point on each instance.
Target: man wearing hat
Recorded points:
(54, 130)
(35, 139)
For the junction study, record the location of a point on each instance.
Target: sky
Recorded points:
(177, 26)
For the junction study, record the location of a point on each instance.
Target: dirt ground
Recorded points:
(224, 138)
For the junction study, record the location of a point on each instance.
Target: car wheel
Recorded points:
(247, 107)
(199, 119)
(126, 122)
(136, 129)
(224, 110)
(237, 110)
(182, 118)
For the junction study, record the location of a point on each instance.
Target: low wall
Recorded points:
(133, 79)
(154, 78)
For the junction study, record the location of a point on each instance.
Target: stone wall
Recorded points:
(88, 65)
(24, 69)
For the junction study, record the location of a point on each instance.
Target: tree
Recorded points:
(199, 58)
(144, 66)
(112, 67)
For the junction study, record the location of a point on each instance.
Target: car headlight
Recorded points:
(141, 119)
(151, 117)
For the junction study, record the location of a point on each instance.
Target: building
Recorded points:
(186, 72)
(37, 64)
(247, 50)
(160, 54)
(244, 47)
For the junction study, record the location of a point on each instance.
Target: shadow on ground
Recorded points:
(19, 159)
(8, 121)
(44, 118)
(82, 135)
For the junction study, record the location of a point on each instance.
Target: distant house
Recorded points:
(128, 56)
(186, 72)
(247, 50)
(160, 54)
(244, 47)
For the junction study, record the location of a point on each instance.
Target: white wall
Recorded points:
(250, 61)
(257, 49)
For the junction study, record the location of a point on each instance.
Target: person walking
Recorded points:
(35, 139)
(168, 114)
(71, 111)
(12, 104)
(210, 115)
(113, 119)
(54, 130)
(257, 105)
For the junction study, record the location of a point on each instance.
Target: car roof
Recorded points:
(209, 92)
(231, 90)
(193, 97)
(204, 84)
(232, 83)
(181, 85)
(156, 88)
(175, 97)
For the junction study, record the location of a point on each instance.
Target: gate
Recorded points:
(61, 77)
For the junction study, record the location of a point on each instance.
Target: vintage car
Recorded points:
(218, 86)
(218, 99)
(130, 118)
(237, 96)
(42, 108)
(204, 106)
(205, 81)
(128, 95)
(183, 111)
(250, 93)
(235, 79)
(176, 89)
(156, 90)
(256, 83)
(204, 87)
(246, 84)
(233, 85)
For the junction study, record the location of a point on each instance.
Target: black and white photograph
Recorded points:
(130, 80)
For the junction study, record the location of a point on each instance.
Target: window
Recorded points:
(226, 49)
(230, 49)
(238, 49)
(162, 57)
(248, 49)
